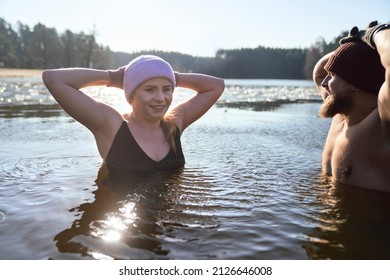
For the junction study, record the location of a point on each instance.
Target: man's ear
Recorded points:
(353, 89)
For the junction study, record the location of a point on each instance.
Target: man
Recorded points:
(354, 82)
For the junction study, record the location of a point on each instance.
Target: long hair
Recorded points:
(169, 128)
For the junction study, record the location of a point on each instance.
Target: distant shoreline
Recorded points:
(16, 72)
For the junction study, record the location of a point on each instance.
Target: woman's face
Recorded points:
(152, 98)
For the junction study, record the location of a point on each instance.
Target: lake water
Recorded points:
(251, 188)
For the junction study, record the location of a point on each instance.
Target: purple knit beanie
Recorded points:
(143, 68)
(358, 64)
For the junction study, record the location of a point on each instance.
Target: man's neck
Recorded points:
(357, 115)
(363, 104)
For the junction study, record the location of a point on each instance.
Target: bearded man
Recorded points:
(354, 82)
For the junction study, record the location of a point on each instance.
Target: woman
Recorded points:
(148, 137)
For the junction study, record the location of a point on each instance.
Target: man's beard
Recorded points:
(335, 105)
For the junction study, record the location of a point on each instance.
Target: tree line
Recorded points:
(42, 47)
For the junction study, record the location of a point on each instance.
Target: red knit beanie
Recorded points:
(359, 65)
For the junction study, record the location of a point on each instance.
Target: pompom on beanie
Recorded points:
(358, 64)
(143, 68)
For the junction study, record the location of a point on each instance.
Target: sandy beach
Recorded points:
(15, 72)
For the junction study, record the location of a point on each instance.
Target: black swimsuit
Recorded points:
(126, 155)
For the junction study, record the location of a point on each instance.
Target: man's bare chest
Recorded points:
(350, 156)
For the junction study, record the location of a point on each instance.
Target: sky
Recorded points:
(198, 27)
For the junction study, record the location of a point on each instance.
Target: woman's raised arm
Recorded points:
(65, 84)
(208, 90)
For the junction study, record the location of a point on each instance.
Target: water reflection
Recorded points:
(30, 111)
(352, 223)
(125, 211)
(262, 105)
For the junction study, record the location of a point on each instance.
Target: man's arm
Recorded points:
(319, 73)
(382, 42)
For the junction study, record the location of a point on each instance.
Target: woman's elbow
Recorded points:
(220, 86)
(48, 77)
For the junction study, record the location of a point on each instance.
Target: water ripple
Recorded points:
(250, 188)
(2, 216)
